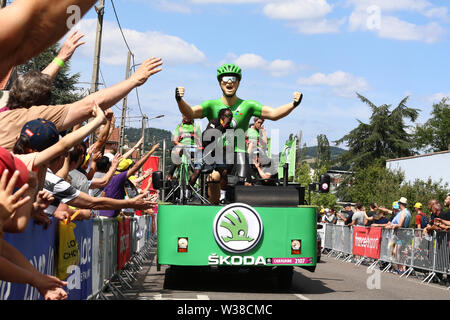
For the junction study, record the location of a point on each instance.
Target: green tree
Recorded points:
(64, 90)
(384, 137)
(434, 135)
(323, 152)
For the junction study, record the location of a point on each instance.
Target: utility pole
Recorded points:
(144, 119)
(100, 9)
(124, 107)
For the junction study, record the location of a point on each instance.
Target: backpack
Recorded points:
(424, 221)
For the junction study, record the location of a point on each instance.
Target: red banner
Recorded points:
(151, 163)
(123, 243)
(367, 242)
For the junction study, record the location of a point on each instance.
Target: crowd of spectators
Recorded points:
(48, 169)
(399, 216)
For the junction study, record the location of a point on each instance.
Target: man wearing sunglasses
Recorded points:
(229, 77)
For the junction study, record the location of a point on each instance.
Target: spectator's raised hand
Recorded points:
(10, 202)
(71, 44)
(148, 68)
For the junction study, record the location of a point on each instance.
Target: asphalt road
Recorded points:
(333, 280)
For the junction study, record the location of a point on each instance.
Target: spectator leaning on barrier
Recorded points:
(403, 218)
(437, 213)
(371, 214)
(379, 220)
(359, 217)
(329, 216)
(421, 219)
(393, 212)
(345, 215)
(447, 205)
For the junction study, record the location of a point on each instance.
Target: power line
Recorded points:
(129, 49)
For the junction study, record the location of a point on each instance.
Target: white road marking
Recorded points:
(301, 296)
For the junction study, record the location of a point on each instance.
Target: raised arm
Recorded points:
(71, 139)
(102, 182)
(30, 27)
(66, 52)
(282, 111)
(195, 112)
(81, 110)
(133, 149)
(141, 161)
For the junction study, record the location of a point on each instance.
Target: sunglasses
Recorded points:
(228, 78)
(228, 115)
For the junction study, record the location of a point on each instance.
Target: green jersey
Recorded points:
(187, 134)
(243, 111)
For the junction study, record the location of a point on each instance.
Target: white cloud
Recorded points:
(437, 97)
(319, 26)
(342, 83)
(297, 9)
(277, 67)
(391, 27)
(376, 16)
(172, 49)
(165, 5)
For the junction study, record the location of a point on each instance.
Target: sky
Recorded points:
(328, 50)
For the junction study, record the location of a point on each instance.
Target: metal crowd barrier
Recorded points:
(103, 272)
(115, 280)
(428, 254)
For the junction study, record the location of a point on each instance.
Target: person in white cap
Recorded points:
(403, 218)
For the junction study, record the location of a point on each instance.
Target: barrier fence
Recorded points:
(429, 254)
(111, 252)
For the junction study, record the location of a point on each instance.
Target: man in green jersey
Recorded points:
(229, 77)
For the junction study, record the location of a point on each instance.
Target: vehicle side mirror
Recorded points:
(157, 180)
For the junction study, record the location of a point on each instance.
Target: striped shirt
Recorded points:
(61, 190)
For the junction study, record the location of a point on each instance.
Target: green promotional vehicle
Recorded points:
(266, 227)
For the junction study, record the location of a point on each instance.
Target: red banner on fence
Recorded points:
(123, 243)
(367, 242)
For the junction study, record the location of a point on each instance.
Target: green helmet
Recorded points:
(229, 69)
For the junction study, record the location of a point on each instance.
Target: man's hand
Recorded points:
(43, 200)
(141, 203)
(109, 114)
(179, 93)
(148, 68)
(297, 98)
(69, 47)
(49, 287)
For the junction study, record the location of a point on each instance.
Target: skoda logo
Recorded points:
(237, 228)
